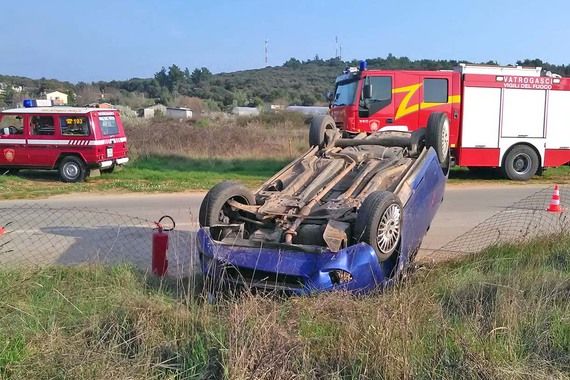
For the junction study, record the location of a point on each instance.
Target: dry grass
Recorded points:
(267, 136)
(502, 315)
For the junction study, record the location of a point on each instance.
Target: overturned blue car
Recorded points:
(350, 214)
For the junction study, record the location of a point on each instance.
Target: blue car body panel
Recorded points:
(299, 271)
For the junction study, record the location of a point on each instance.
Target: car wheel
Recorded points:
(215, 210)
(521, 163)
(417, 141)
(72, 169)
(437, 136)
(317, 131)
(379, 223)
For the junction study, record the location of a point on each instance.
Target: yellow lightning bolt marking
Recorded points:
(405, 109)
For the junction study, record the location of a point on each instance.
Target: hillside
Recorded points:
(295, 82)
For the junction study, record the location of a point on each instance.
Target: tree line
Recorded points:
(296, 82)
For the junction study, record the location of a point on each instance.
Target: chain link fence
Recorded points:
(524, 220)
(37, 235)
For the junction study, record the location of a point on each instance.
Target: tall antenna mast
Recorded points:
(336, 55)
(266, 52)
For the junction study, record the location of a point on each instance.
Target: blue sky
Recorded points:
(103, 40)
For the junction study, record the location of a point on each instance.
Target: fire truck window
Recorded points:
(435, 91)
(42, 125)
(13, 125)
(380, 96)
(108, 125)
(74, 126)
(344, 94)
(381, 88)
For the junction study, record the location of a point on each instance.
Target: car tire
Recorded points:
(72, 169)
(521, 163)
(437, 136)
(214, 209)
(417, 141)
(380, 216)
(317, 130)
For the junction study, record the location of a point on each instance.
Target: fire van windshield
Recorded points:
(108, 125)
(345, 92)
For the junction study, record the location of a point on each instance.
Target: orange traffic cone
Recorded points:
(555, 201)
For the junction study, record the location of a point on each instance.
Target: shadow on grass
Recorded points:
(266, 166)
(36, 175)
(172, 166)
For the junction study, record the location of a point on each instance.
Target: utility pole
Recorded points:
(266, 52)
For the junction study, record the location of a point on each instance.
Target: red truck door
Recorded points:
(12, 141)
(436, 96)
(112, 132)
(43, 140)
(407, 100)
(376, 102)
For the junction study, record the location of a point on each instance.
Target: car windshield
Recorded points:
(108, 125)
(345, 92)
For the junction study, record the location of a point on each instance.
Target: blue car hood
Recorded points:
(311, 269)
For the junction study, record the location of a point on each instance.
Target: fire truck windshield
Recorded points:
(345, 93)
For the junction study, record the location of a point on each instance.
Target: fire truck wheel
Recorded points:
(72, 169)
(317, 131)
(379, 224)
(214, 209)
(521, 163)
(437, 136)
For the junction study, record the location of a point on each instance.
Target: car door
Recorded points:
(44, 140)
(12, 141)
(376, 105)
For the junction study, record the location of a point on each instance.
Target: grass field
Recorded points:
(168, 156)
(157, 173)
(504, 314)
(150, 174)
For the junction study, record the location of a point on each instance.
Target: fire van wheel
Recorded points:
(215, 210)
(379, 224)
(317, 131)
(521, 163)
(437, 136)
(72, 169)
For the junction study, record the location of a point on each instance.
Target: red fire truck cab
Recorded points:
(72, 140)
(515, 118)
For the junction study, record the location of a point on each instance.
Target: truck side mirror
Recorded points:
(367, 91)
(330, 96)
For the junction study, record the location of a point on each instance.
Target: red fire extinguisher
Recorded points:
(160, 246)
